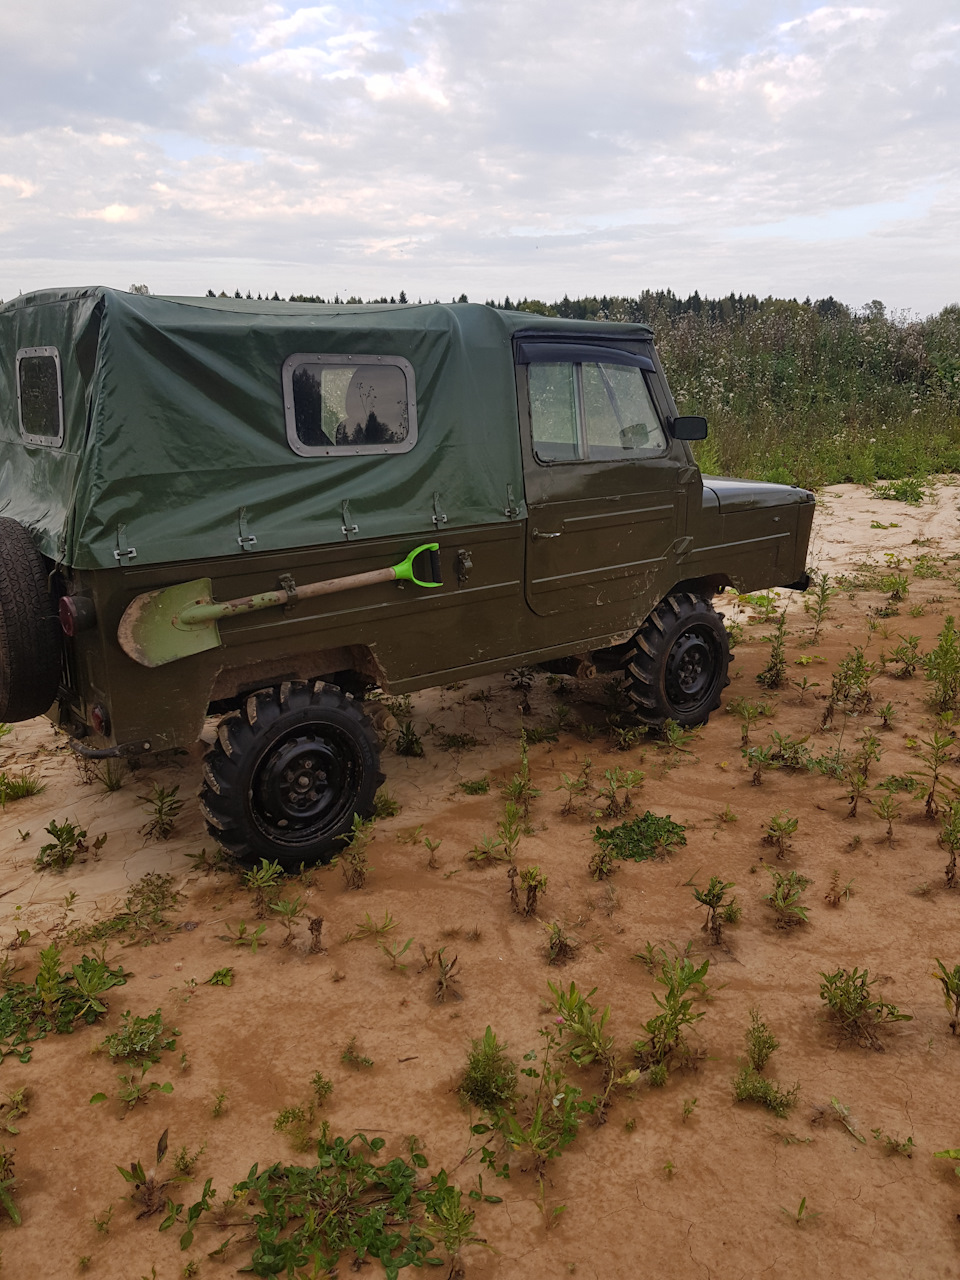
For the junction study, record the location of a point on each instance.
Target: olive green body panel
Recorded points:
(396, 634)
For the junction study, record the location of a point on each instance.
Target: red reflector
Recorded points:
(77, 613)
(100, 721)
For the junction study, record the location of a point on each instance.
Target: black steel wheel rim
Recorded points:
(692, 668)
(305, 784)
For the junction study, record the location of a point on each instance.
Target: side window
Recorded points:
(553, 412)
(592, 411)
(349, 404)
(40, 395)
(621, 418)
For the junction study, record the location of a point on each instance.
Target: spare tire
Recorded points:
(30, 634)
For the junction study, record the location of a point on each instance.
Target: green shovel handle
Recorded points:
(404, 570)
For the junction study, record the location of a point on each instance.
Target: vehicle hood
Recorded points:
(745, 495)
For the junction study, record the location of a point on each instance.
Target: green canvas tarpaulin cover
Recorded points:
(175, 440)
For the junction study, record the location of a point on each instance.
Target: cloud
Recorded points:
(401, 144)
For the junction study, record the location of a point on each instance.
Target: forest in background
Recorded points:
(810, 393)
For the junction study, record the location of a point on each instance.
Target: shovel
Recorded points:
(179, 621)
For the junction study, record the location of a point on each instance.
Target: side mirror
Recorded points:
(690, 428)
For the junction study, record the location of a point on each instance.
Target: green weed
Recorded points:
(646, 836)
(714, 898)
(849, 998)
(163, 808)
(778, 831)
(941, 668)
(949, 980)
(139, 1041)
(774, 673)
(784, 897)
(490, 1079)
(55, 1001)
(353, 861)
(263, 881)
(18, 788)
(69, 843)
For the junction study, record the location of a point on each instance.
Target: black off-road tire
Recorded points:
(30, 634)
(288, 772)
(676, 665)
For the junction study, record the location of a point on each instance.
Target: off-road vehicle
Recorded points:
(262, 511)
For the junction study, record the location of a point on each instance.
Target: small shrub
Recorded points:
(18, 788)
(761, 1042)
(560, 946)
(533, 882)
(353, 860)
(384, 805)
(816, 602)
(750, 1086)
(778, 831)
(714, 898)
(665, 1039)
(615, 781)
(352, 1057)
(941, 668)
(409, 742)
(140, 1040)
(490, 1080)
(163, 808)
(475, 787)
(321, 1086)
(909, 489)
(646, 836)
(602, 863)
(69, 843)
(848, 996)
(784, 897)
(774, 673)
(950, 981)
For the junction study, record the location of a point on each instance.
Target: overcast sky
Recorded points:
(535, 147)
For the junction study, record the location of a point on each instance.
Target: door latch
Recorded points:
(464, 566)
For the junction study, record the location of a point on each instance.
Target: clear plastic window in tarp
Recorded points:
(40, 395)
(349, 404)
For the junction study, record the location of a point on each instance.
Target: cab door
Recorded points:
(605, 482)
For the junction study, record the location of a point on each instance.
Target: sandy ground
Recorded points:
(649, 1192)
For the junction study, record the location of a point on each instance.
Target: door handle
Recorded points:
(538, 534)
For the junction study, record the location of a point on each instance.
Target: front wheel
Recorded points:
(287, 774)
(676, 665)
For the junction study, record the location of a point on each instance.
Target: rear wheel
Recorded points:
(676, 665)
(288, 772)
(30, 635)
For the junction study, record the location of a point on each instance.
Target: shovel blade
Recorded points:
(148, 632)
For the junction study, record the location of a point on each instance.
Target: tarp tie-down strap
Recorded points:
(246, 540)
(346, 527)
(124, 553)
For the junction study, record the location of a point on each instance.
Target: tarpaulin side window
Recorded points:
(339, 404)
(592, 411)
(40, 395)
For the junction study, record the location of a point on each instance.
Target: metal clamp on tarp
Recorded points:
(179, 621)
(124, 553)
(246, 540)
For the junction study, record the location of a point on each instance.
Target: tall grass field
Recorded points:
(808, 393)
